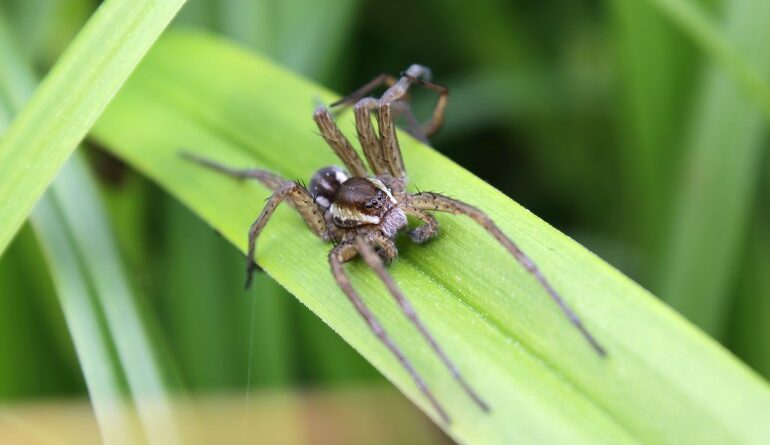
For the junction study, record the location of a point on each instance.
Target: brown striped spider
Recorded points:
(362, 212)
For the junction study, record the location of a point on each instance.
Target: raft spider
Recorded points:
(362, 212)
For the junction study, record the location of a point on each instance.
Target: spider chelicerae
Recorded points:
(362, 212)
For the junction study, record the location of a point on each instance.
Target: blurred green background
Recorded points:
(603, 118)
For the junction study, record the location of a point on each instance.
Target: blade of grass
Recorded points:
(81, 212)
(102, 377)
(750, 324)
(100, 368)
(99, 308)
(70, 99)
(657, 65)
(719, 177)
(690, 17)
(663, 381)
(26, 299)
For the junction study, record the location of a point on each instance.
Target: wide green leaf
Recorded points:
(663, 382)
(70, 99)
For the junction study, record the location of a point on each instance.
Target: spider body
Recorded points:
(361, 212)
(367, 205)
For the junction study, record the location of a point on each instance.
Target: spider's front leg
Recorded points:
(338, 142)
(436, 202)
(304, 204)
(429, 228)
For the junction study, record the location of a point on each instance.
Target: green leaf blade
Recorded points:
(70, 99)
(663, 381)
(100, 309)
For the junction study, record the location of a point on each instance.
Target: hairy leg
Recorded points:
(370, 142)
(391, 150)
(386, 248)
(379, 162)
(373, 260)
(338, 142)
(270, 180)
(420, 75)
(342, 253)
(427, 230)
(440, 203)
(437, 119)
(304, 204)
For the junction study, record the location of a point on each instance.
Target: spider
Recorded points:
(362, 212)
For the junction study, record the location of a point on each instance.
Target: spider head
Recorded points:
(325, 183)
(361, 201)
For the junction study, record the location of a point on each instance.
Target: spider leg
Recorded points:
(304, 204)
(382, 79)
(391, 150)
(413, 127)
(270, 180)
(420, 75)
(437, 119)
(373, 260)
(440, 203)
(344, 252)
(370, 142)
(384, 164)
(425, 232)
(338, 142)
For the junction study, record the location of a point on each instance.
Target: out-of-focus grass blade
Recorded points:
(99, 307)
(750, 323)
(718, 180)
(662, 382)
(657, 67)
(29, 346)
(88, 333)
(70, 99)
(692, 19)
(307, 35)
(80, 211)
(100, 368)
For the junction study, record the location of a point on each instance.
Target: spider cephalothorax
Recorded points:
(363, 211)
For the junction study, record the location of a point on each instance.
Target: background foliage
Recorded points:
(615, 123)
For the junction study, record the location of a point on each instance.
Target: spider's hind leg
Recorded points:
(420, 75)
(342, 253)
(268, 179)
(382, 79)
(371, 258)
(440, 203)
